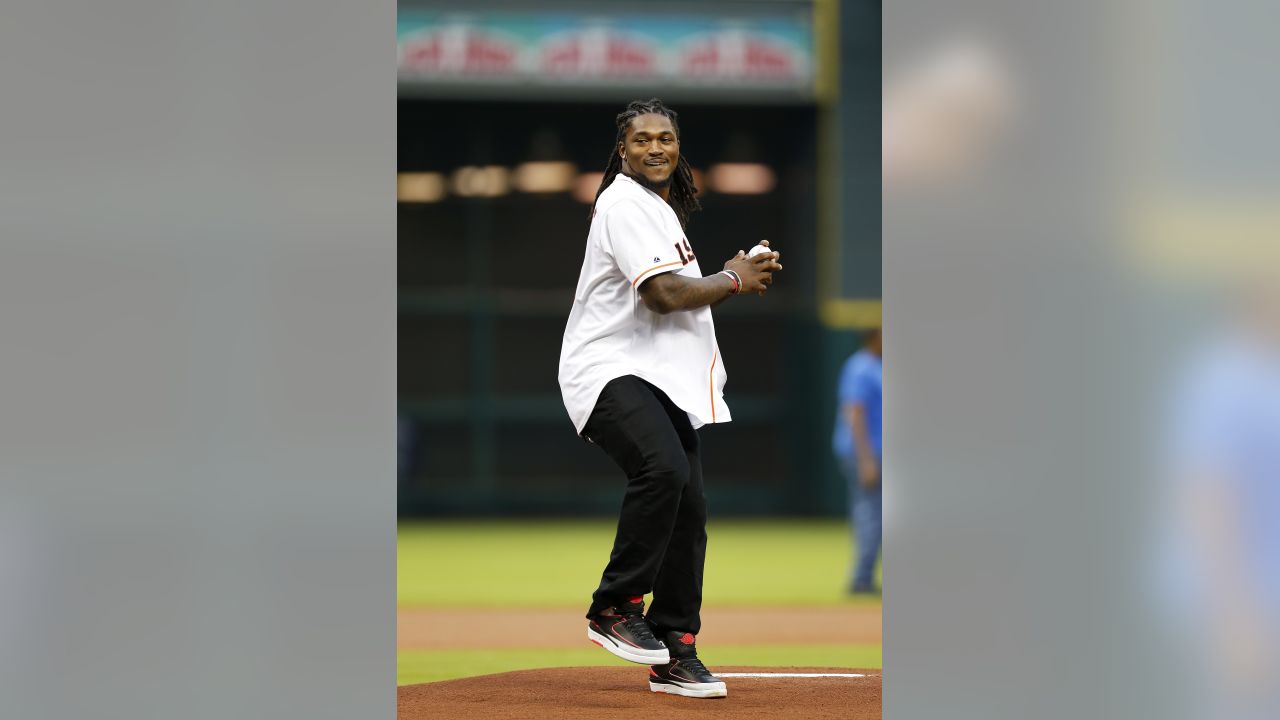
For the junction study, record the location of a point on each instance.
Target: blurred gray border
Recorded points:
(197, 305)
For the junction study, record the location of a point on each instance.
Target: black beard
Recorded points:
(650, 184)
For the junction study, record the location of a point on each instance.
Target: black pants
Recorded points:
(661, 543)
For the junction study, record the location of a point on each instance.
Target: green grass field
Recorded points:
(558, 563)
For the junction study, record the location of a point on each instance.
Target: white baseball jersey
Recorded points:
(611, 333)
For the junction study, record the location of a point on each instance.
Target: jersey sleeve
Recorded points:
(857, 384)
(638, 243)
(1205, 428)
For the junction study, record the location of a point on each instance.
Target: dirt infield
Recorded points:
(434, 629)
(604, 693)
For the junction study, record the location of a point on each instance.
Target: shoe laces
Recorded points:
(640, 629)
(694, 665)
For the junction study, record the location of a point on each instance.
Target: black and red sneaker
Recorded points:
(685, 674)
(622, 630)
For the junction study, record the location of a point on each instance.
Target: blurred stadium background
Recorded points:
(505, 122)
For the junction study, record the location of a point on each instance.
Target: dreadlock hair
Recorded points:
(683, 196)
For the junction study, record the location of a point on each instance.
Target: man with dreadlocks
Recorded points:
(640, 371)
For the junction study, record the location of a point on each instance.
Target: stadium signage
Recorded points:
(774, 53)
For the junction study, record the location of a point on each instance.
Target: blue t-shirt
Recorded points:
(1227, 431)
(860, 381)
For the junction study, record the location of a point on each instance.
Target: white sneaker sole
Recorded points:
(628, 653)
(693, 690)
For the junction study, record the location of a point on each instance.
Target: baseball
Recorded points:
(758, 249)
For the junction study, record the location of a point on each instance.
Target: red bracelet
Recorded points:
(737, 282)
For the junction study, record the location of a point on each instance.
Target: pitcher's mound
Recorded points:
(604, 693)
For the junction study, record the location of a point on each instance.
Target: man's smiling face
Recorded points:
(650, 150)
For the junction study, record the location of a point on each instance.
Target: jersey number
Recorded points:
(686, 255)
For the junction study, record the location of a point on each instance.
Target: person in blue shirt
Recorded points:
(857, 446)
(1224, 557)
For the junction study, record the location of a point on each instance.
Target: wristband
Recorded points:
(737, 281)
